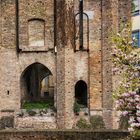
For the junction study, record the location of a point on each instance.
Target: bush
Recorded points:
(31, 113)
(97, 122)
(123, 123)
(76, 107)
(83, 124)
(6, 122)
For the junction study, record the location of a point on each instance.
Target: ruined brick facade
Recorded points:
(43, 31)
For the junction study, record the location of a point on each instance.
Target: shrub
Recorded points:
(76, 107)
(31, 113)
(123, 123)
(83, 124)
(97, 122)
(6, 122)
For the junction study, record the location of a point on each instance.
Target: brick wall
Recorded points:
(93, 66)
(63, 135)
(65, 63)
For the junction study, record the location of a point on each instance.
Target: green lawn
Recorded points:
(37, 105)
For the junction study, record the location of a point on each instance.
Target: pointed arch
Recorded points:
(31, 84)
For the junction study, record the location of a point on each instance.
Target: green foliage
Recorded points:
(76, 107)
(83, 124)
(126, 60)
(123, 124)
(136, 134)
(97, 122)
(36, 105)
(126, 68)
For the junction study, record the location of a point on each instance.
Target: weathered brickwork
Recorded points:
(43, 31)
(35, 123)
(65, 63)
(36, 10)
(62, 135)
(8, 24)
(124, 10)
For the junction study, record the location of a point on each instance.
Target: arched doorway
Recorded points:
(47, 88)
(32, 85)
(81, 93)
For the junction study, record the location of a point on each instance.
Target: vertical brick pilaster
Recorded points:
(106, 63)
(106, 54)
(65, 58)
(0, 25)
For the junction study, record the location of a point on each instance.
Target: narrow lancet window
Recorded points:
(81, 29)
(81, 24)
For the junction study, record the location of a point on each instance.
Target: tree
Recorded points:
(126, 60)
(126, 64)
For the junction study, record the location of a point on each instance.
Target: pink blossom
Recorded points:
(129, 105)
(138, 119)
(131, 120)
(137, 99)
(138, 106)
(125, 94)
(135, 125)
(125, 113)
(133, 93)
(138, 113)
(130, 129)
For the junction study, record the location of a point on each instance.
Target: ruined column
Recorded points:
(65, 60)
(113, 13)
(107, 63)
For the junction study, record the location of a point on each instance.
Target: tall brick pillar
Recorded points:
(113, 13)
(107, 63)
(65, 63)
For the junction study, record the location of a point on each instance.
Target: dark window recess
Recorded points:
(8, 92)
(81, 24)
(81, 93)
(81, 29)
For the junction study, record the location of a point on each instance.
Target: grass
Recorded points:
(37, 105)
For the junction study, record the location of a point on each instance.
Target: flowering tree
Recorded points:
(129, 105)
(126, 63)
